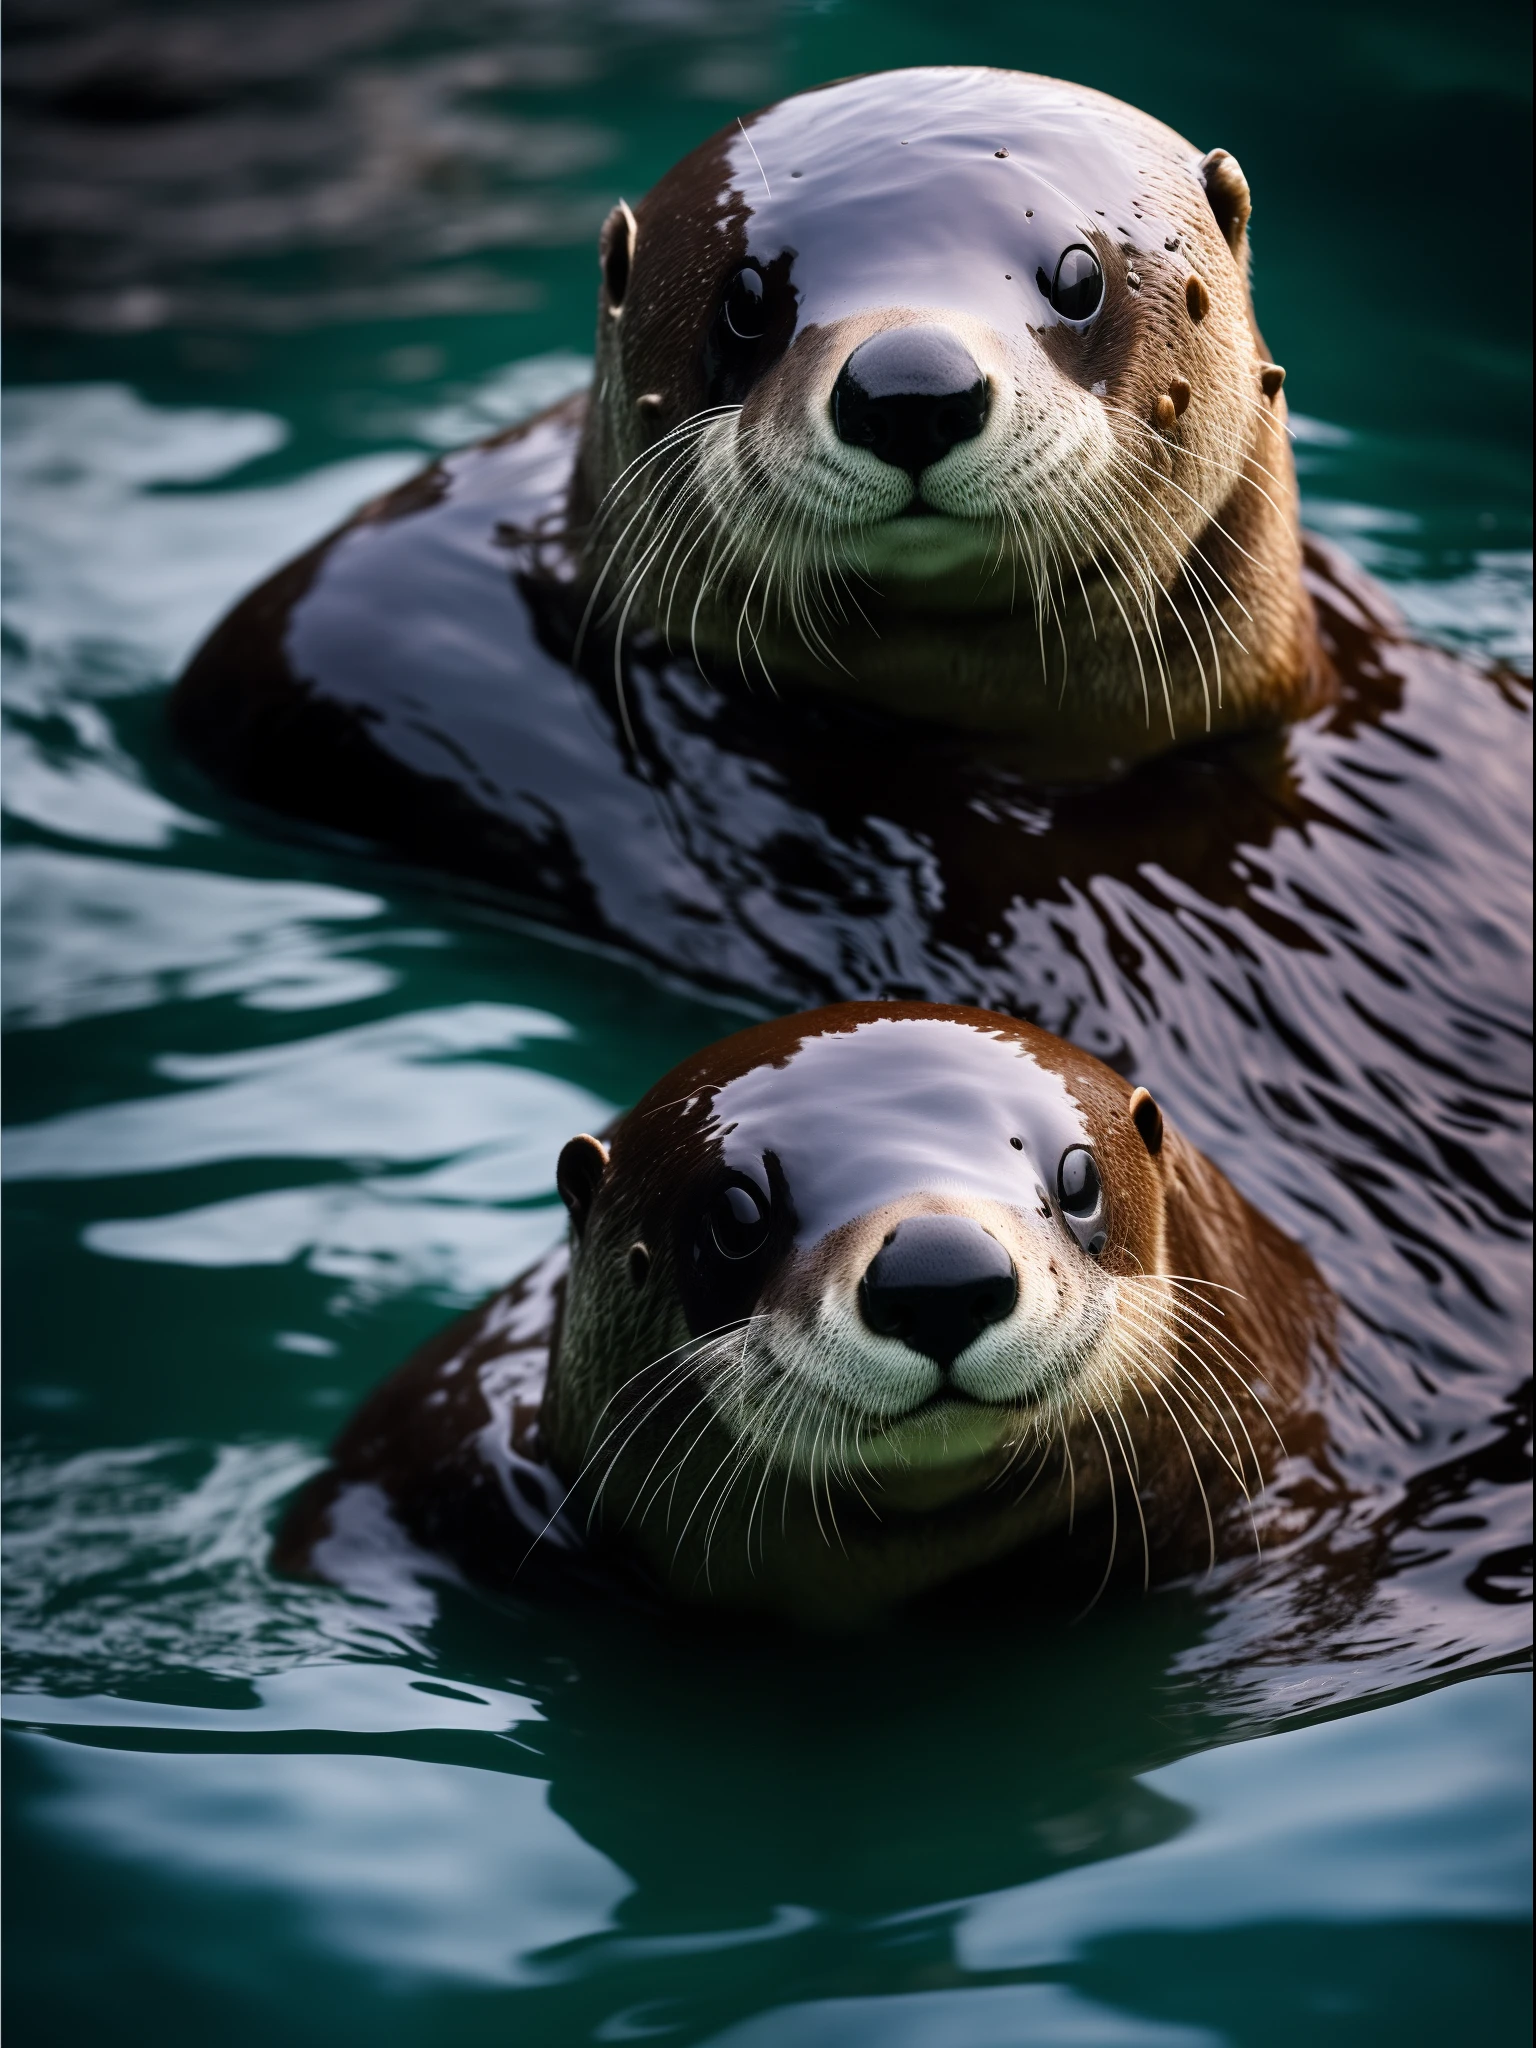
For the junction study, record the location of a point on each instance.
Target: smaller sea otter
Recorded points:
(857, 1302)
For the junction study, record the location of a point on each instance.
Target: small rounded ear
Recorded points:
(578, 1174)
(1148, 1119)
(615, 253)
(1227, 189)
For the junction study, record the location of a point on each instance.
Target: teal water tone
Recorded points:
(277, 1110)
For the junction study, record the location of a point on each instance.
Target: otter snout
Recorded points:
(936, 1283)
(909, 395)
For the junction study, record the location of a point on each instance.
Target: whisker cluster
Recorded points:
(1165, 1343)
(707, 522)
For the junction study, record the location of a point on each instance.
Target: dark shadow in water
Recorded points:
(779, 1801)
(1408, 1981)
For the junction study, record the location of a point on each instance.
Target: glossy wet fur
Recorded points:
(1098, 550)
(741, 1420)
(665, 817)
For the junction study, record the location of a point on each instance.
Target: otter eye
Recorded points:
(746, 306)
(738, 1222)
(1078, 1187)
(1077, 289)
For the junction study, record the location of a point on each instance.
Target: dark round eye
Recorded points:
(738, 1222)
(1077, 290)
(746, 306)
(1078, 1187)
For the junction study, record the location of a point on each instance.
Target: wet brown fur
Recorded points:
(963, 651)
(621, 1408)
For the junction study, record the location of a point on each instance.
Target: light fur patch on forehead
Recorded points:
(903, 187)
(860, 1118)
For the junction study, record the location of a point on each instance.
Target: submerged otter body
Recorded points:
(857, 1302)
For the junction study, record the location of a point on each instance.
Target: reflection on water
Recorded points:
(275, 1110)
(86, 938)
(694, 1839)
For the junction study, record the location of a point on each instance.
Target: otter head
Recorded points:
(940, 387)
(879, 1261)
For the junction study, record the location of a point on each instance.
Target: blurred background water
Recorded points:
(276, 1110)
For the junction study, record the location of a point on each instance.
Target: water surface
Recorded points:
(277, 1109)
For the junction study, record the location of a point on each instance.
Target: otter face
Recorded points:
(940, 341)
(892, 1249)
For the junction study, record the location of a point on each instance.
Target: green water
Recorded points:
(287, 1109)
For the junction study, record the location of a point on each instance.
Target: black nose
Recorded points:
(936, 1283)
(909, 395)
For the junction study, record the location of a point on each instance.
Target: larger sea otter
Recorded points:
(859, 1301)
(937, 391)
(943, 388)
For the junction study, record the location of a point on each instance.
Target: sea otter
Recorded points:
(859, 1301)
(936, 393)
(942, 389)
